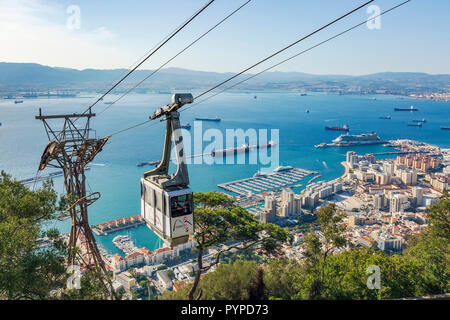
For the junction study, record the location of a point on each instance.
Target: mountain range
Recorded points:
(16, 77)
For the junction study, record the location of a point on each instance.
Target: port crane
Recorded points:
(166, 200)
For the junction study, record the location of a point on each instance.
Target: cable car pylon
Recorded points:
(167, 200)
(71, 148)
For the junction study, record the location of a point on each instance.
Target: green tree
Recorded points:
(218, 220)
(228, 282)
(318, 249)
(26, 270)
(92, 287)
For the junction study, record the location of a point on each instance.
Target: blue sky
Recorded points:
(115, 33)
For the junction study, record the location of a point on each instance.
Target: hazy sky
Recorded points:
(115, 33)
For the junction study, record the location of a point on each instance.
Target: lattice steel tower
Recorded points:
(71, 149)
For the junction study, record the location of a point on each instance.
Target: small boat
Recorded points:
(109, 102)
(307, 111)
(185, 126)
(386, 117)
(303, 95)
(18, 101)
(255, 97)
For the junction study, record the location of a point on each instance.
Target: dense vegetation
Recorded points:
(218, 220)
(422, 269)
(28, 271)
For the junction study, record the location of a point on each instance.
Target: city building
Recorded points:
(289, 204)
(269, 213)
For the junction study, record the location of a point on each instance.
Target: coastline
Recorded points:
(347, 169)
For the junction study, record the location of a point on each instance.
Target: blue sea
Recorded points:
(114, 172)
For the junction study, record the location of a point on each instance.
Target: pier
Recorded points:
(262, 183)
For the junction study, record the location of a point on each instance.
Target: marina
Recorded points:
(125, 244)
(280, 178)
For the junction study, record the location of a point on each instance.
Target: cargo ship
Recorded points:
(242, 149)
(415, 124)
(353, 140)
(386, 117)
(406, 109)
(208, 119)
(343, 128)
(445, 128)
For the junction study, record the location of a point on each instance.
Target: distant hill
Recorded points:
(32, 76)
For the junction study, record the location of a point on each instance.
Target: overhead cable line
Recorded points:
(151, 53)
(258, 63)
(143, 56)
(283, 49)
(175, 56)
(273, 66)
(298, 54)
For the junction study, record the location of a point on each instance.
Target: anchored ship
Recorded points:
(386, 117)
(406, 109)
(208, 119)
(343, 128)
(353, 140)
(420, 120)
(445, 128)
(415, 124)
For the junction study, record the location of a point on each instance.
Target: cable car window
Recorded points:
(181, 205)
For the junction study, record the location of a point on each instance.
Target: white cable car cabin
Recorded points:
(167, 201)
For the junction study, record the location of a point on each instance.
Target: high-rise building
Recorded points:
(409, 177)
(418, 196)
(378, 201)
(350, 156)
(398, 203)
(289, 205)
(270, 210)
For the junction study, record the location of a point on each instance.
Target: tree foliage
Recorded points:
(422, 269)
(218, 220)
(27, 271)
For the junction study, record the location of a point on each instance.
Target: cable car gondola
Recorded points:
(166, 200)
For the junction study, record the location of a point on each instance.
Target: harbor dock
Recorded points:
(261, 183)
